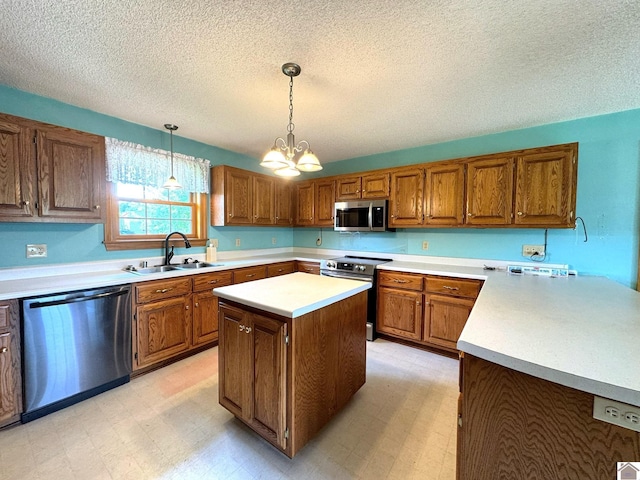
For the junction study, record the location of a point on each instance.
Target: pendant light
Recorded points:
(281, 156)
(172, 183)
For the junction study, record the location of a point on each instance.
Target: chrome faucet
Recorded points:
(168, 255)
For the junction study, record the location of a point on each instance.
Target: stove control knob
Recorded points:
(331, 264)
(361, 268)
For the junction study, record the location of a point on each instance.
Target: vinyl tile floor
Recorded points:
(168, 425)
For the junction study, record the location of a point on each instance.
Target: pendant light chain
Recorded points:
(291, 126)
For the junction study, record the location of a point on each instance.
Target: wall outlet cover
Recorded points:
(36, 250)
(617, 413)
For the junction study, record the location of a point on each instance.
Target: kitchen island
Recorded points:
(292, 353)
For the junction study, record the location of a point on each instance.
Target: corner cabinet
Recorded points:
(241, 197)
(10, 363)
(51, 174)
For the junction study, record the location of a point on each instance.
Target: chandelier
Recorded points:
(281, 156)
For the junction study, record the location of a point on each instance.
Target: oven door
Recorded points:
(348, 275)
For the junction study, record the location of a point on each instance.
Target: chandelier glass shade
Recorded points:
(281, 157)
(171, 183)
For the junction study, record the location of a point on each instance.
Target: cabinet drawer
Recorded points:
(459, 287)
(207, 281)
(308, 267)
(283, 268)
(407, 281)
(248, 274)
(160, 289)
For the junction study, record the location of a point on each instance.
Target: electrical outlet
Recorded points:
(529, 250)
(425, 245)
(237, 242)
(214, 242)
(273, 240)
(36, 250)
(617, 413)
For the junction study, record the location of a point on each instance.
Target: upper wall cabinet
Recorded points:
(444, 194)
(490, 191)
(49, 173)
(546, 181)
(240, 197)
(362, 187)
(406, 201)
(314, 202)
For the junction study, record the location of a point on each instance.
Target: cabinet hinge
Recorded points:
(286, 433)
(460, 420)
(135, 355)
(35, 139)
(286, 339)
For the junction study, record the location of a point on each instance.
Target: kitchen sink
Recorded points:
(189, 266)
(149, 270)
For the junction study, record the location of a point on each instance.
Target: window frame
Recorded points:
(114, 241)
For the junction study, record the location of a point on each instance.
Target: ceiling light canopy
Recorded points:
(281, 156)
(171, 183)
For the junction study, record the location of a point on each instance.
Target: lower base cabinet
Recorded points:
(513, 425)
(286, 378)
(425, 309)
(10, 369)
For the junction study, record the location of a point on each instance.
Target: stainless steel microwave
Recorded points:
(361, 216)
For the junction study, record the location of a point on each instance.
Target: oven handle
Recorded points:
(348, 277)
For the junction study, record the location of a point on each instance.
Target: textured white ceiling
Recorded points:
(377, 75)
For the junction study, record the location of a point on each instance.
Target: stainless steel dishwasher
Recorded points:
(75, 345)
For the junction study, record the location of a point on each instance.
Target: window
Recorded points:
(140, 213)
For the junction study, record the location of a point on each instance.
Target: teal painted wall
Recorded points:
(607, 199)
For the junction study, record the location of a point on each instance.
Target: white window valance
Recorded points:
(135, 164)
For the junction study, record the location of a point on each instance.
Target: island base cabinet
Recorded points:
(513, 425)
(252, 364)
(287, 377)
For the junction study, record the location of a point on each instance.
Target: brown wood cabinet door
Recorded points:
(399, 313)
(348, 188)
(8, 398)
(325, 200)
(375, 185)
(205, 318)
(545, 187)
(163, 329)
(444, 194)
(405, 203)
(264, 200)
(305, 203)
(71, 175)
(234, 375)
(490, 191)
(267, 412)
(238, 197)
(284, 203)
(445, 318)
(17, 168)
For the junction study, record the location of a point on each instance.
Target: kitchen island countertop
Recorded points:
(292, 295)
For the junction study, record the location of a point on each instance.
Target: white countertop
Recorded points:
(292, 295)
(581, 332)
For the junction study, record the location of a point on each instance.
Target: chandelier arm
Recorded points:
(299, 147)
(282, 145)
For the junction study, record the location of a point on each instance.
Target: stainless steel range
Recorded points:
(357, 268)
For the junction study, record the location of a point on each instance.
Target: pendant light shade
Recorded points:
(281, 157)
(171, 183)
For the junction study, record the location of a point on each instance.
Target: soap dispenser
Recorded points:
(212, 252)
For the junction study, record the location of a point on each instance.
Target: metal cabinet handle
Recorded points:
(213, 282)
(450, 288)
(397, 280)
(520, 214)
(4, 350)
(25, 203)
(164, 290)
(418, 303)
(242, 328)
(197, 304)
(186, 307)
(249, 275)
(96, 207)
(247, 330)
(469, 214)
(280, 270)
